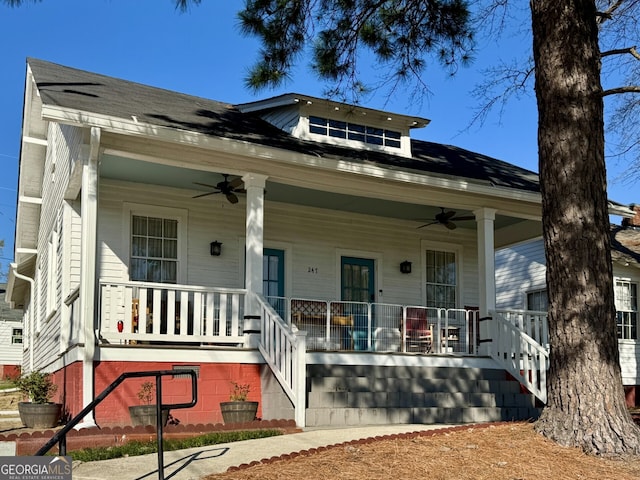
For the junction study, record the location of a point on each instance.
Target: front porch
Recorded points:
(301, 339)
(138, 313)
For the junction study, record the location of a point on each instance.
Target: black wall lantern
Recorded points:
(216, 248)
(405, 267)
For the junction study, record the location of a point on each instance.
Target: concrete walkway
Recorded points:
(194, 463)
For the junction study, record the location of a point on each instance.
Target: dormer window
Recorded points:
(353, 131)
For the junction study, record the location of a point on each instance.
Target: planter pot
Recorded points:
(40, 415)
(146, 415)
(238, 412)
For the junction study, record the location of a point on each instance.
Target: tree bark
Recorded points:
(585, 406)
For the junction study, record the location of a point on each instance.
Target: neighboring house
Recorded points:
(157, 230)
(521, 284)
(10, 337)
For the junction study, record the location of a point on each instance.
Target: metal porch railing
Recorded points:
(61, 436)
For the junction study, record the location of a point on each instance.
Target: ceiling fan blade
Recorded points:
(462, 219)
(235, 183)
(204, 194)
(447, 215)
(450, 225)
(232, 198)
(205, 185)
(427, 224)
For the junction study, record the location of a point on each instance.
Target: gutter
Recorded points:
(33, 310)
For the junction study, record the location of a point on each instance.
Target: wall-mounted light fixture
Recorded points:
(216, 248)
(405, 267)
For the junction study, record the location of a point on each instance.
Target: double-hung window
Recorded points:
(626, 297)
(538, 301)
(154, 249)
(16, 336)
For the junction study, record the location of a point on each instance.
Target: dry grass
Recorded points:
(501, 452)
(9, 400)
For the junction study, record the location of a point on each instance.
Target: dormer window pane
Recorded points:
(392, 134)
(354, 131)
(318, 125)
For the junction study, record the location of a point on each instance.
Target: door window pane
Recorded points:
(441, 273)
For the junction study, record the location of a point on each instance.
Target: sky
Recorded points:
(202, 53)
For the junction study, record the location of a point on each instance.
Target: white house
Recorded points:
(10, 337)
(309, 248)
(521, 284)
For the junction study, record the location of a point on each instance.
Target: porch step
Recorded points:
(358, 395)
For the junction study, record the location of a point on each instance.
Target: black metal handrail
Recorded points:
(61, 436)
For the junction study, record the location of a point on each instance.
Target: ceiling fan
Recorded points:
(447, 219)
(226, 187)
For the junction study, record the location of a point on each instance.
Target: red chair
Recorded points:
(419, 331)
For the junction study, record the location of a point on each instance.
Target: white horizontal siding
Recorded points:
(316, 238)
(10, 354)
(629, 355)
(519, 269)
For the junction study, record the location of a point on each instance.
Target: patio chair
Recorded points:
(419, 331)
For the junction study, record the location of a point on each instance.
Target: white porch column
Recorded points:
(89, 212)
(254, 185)
(485, 218)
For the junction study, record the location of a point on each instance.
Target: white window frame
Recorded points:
(625, 329)
(169, 213)
(457, 250)
(534, 292)
(15, 336)
(52, 275)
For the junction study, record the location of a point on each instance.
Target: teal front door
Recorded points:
(358, 285)
(273, 279)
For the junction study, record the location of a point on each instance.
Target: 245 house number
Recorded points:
(313, 270)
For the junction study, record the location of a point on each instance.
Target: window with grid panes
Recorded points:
(442, 281)
(537, 301)
(626, 298)
(154, 249)
(16, 336)
(354, 131)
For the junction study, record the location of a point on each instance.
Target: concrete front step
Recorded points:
(431, 415)
(359, 395)
(417, 399)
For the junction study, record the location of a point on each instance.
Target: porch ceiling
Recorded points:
(119, 168)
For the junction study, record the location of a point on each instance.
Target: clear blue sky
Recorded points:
(203, 53)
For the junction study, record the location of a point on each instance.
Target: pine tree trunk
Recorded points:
(585, 406)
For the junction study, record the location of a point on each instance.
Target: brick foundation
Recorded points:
(214, 385)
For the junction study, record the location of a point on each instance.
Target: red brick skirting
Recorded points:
(31, 442)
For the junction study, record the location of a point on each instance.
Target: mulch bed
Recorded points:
(512, 451)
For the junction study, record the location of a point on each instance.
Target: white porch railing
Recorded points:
(133, 312)
(520, 343)
(284, 348)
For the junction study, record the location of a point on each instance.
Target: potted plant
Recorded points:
(238, 409)
(145, 414)
(39, 411)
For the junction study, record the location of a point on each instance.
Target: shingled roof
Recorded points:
(93, 93)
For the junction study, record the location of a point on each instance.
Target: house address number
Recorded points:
(312, 270)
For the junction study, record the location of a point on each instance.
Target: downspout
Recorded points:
(33, 310)
(89, 213)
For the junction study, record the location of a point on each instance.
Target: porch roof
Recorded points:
(82, 91)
